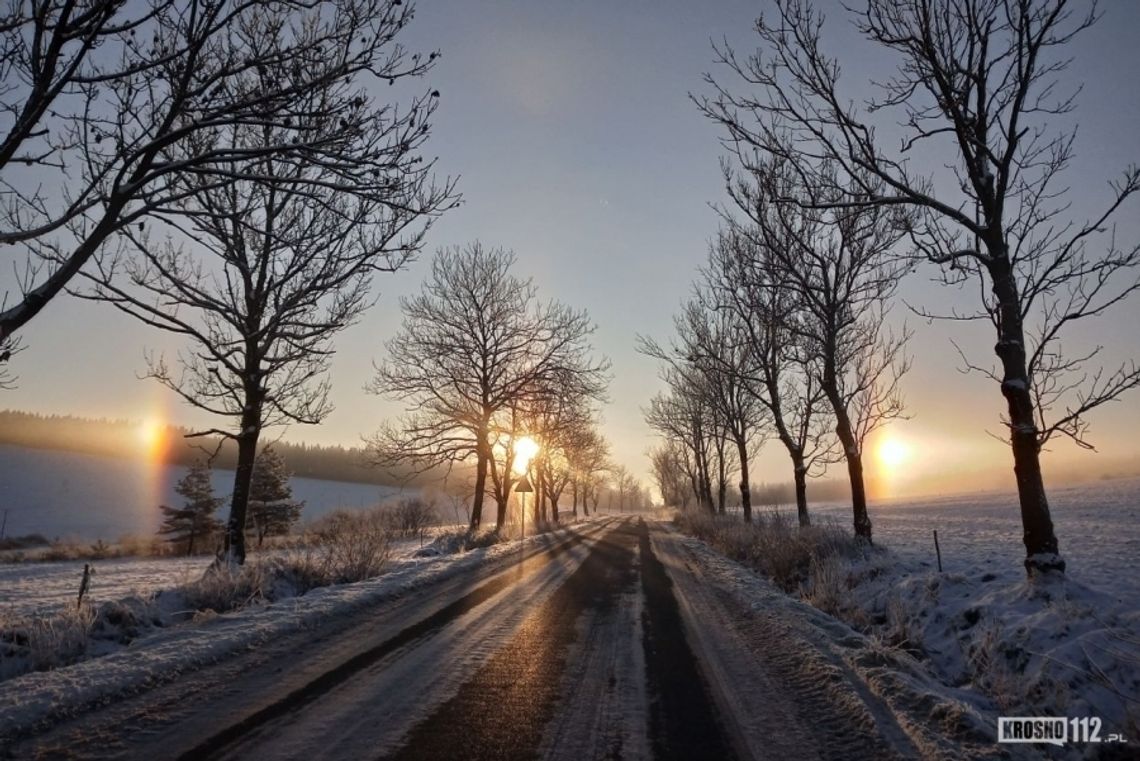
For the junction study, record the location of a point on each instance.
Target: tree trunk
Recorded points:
(1041, 550)
(503, 495)
(480, 485)
(858, 496)
(796, 452)
(243, 475)
(745, 489)
(800, 474)
(705, 478)
(500, 513)
(721, 475)
(845, 432)
(854, 459)
(540, 495)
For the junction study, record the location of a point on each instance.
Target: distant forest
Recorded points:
(126, 439)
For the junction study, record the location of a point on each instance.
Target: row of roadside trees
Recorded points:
(226, 172)
(784, 337)
(487, 369)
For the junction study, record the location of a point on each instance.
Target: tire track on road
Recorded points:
(299, 698)
(683, 714)
(520, 684)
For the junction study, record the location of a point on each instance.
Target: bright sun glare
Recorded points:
(151, 434)
(893, 453)
(525, 450)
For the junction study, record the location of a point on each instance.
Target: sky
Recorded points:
(570, 130)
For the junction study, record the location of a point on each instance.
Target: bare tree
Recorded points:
(474, 345)
(115, 109)
(683, 416)
(562, 423)
(259, 267)
(978, 82)
(589, 456)
(710, 357)
(715, 340)
(626, 486)
(838, 265)
(742, 280)
(668, 461)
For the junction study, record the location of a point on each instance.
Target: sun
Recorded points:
(893, 453)
(152, 435)
(525, 450)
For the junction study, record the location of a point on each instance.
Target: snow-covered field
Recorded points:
(44, 587)
(41, 587)
(1098, 528)
(88, 497)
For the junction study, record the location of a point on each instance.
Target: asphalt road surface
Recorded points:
(609, 643)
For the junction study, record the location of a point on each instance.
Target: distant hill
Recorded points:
(168, 444)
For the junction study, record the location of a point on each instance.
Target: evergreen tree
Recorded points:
(196, 519)
(272, 509)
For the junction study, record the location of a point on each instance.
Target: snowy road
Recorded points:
(621, 641)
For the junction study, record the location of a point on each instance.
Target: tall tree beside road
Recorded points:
(979, 86)
(259, 262)
(112, 110)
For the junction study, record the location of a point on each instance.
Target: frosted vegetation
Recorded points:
(44, 626)
(1010, 645)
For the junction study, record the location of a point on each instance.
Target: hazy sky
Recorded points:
(570, 129)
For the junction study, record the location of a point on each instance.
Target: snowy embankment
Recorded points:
(159, 654)
(1010, 646)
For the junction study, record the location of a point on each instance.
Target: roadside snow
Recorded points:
(816, 663)
(1067, 646)
(159, 654)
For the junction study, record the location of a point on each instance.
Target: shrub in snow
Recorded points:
(24, 542)
(226, 587)
(123, 621)
(412, 517)
(826, 587)
(63, 549)
(774, 545)
(354, 545)
(137, 546)
(41, 642)
(452, 542)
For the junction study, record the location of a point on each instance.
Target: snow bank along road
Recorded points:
(620, 641)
